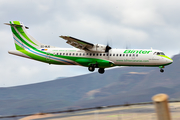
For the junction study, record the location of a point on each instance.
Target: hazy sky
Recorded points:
(136, 23)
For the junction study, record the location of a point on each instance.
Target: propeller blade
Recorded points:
(108, 48)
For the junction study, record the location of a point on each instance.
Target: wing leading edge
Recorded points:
(80, 44)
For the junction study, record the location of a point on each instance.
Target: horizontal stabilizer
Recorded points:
(13, 24)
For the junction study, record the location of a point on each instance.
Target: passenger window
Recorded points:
(76, 54)
(79, 54)
(109, 54)
(83, 54)
(120, 55)
(93, 54)
(66, 53)
(70, 54)
(59, 53)
(63, 53)
(100, 54)
(126, 54)
(103, 54)
(133, 54)
(136, 55)
(116, 54)
(89, 54)
(123, 54)
(97, 54)
(113, 54)
(73, 54)
(129, 55)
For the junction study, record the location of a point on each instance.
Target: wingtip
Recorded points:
(63, 36)
(7, 24)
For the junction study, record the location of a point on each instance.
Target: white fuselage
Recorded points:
(120, 57)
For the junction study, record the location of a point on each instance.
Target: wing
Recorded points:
(78, 43)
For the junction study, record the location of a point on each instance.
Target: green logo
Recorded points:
(137, 51)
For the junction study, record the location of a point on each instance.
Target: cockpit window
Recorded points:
(158, 53)
(162, 53)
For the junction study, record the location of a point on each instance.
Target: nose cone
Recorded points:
(169, 60)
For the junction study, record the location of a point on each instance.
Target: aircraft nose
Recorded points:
(169, 60)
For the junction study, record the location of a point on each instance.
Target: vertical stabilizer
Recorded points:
(21, 38)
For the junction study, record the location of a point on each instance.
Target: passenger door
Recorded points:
(48, 57)
(133, 56)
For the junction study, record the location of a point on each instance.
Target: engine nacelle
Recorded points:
(98, 48)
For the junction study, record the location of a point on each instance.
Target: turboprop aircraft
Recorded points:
(84, 54)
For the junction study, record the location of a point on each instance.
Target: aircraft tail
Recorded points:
(21, 38)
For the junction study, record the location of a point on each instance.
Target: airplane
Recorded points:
(84, 54)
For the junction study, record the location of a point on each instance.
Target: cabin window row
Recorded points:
(96, 54)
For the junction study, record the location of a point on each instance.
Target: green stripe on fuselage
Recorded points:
(38, 58)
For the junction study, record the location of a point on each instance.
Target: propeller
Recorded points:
(107, 48)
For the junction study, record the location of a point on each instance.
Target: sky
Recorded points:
(138, 24)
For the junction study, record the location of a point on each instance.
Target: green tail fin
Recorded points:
(21, 38)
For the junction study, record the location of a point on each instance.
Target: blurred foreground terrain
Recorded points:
(134, 112)
(116, 86)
